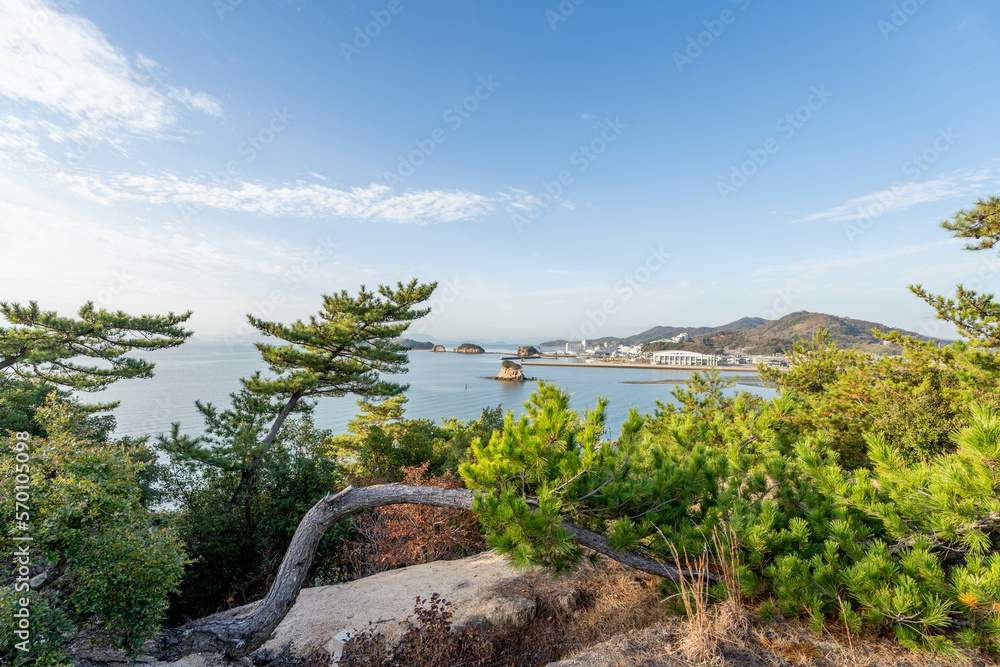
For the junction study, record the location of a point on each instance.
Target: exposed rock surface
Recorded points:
(438, 348)
(470, 348)
(527, 351)
(385, 600)
(512, 373)
(87, 657)
(382, 601)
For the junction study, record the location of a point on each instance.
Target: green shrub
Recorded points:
(111, 562)
(237, 552)
(49, 627)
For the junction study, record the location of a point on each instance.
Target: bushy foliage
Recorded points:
(237, 550)
(112, 562)
(903, 546)
(916, 401)
(381, 442)
(50, 627)
(541, 459)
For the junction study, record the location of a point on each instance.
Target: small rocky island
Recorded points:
(512, 373)
(438, 348)
(469, 348)
(528, 351)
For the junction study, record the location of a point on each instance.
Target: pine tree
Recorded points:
(342, 350)
(977, 316)
(42, 346)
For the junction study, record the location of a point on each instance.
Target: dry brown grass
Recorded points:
(700, 644)
(766, 644)
(591, 606)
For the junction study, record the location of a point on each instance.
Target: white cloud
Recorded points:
(877, 263)
(524, 202)
(308, 200)
(63, 73)
(197, 101)
(139, 266)
(901, 196)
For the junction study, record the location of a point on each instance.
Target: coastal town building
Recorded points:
(684, 358)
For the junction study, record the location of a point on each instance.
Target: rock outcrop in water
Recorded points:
(470, 348)
(511, 372)
(438, 348)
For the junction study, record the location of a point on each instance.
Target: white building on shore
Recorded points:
(684, 358)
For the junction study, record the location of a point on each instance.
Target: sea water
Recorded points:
(441, 385)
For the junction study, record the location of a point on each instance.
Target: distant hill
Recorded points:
(755, 335)
(414, 344)
(778, 335)
(656, 333)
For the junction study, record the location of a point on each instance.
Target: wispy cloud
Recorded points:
(307, 200)
(964, 183)
(873, 263)
(70, 84)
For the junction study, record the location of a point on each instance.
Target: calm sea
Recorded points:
(441, 385)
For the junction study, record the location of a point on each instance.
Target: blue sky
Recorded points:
(562, 169)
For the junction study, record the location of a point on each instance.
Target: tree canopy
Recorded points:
(343, 349)
(41, 345)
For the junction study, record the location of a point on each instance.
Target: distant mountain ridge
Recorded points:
(657, 333)
(756, 335)
(778, 335)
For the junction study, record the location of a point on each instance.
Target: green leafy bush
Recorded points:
(111, 561)
(237, 550)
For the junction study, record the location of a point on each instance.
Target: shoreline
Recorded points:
(744, 368)
(738, 377)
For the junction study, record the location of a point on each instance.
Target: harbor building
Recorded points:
(684, 358)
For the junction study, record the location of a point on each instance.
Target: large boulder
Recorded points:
(324, 617)
(512, 373)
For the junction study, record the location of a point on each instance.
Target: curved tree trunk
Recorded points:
(238, 636)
